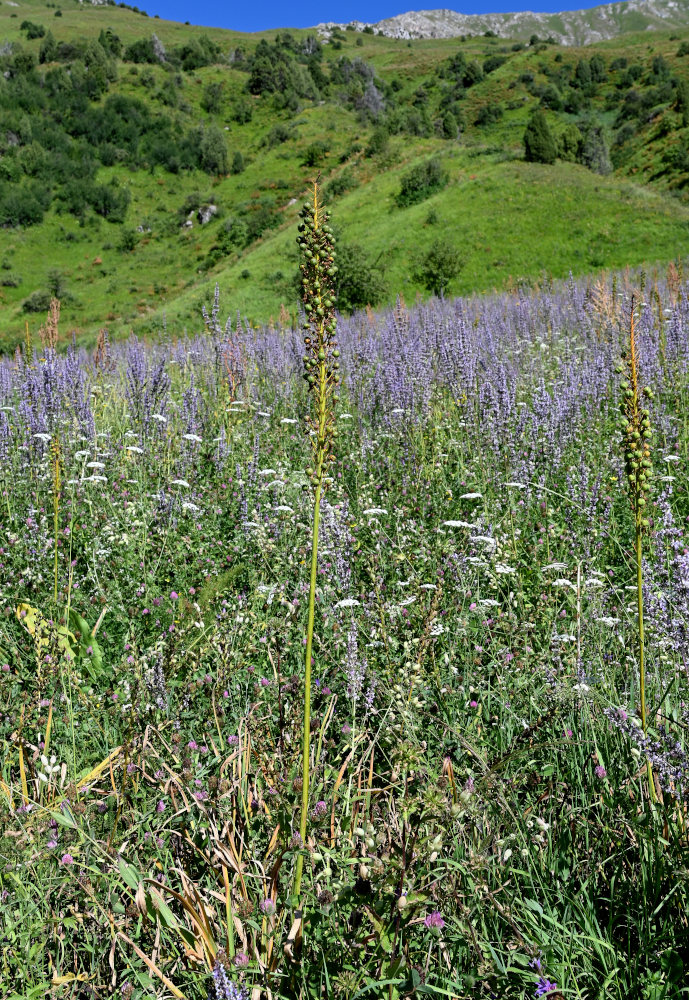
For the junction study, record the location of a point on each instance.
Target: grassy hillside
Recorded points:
(108, 155)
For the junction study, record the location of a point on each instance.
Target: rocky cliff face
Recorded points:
(576, 27)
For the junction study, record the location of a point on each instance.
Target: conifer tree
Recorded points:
(539, 143)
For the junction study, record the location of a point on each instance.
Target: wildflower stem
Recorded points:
(638, 433)
(322, 377)
(306, 742)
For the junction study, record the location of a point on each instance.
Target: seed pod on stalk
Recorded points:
(636, 445)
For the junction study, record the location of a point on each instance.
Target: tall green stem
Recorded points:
(638, 451)
(321, 374)
(642, 665)
(640, 605)
(306, 741)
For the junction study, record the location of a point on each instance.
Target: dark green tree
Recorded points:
(682, 101)
(539, 144)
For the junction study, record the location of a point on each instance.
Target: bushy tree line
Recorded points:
(54, 136)
(586, 144)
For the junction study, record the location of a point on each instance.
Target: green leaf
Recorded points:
(64, 817)
(128, 874)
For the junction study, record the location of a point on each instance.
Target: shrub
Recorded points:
(569, 144)
(492, 63)
(213, 151)
(37, 302)
(449, 126)
(234, 235)
(211, 99)
(379, 141)
(141, 51)
(278, 134)
(539, 144)
(551, 98)
(359, 281)
(111, 201)
(127, 241)
(32, 30)
(314, 154)
(421, 182)
(242, 111)
(340, 185)
(489, 114)
(436, 268)
(237, 163)
(595, 154)
(21, 207)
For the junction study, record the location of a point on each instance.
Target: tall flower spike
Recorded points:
(636, 440)
(636, 429)
(321, 371)
(321, 358)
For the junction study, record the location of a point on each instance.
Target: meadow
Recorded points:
(472, 794)
(114, 150)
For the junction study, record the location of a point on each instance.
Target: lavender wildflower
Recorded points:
(222, 988)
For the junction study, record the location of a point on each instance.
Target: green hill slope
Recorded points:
(120, 133)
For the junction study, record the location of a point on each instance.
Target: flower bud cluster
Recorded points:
(321, 357)
(635, 427)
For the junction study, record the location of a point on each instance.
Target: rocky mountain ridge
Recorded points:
(575, 27)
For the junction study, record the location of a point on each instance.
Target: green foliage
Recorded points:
(594, 151)
(314, 154)
(127, 241)
(682, 101)
(359, 281)
(213, 150)
(492, 63)
(339, 185)
(23, 205)
(37, 302)
(421, 182)
(238, 165)
(539, 144)
(212, 98)
(380, 138)
(32, 30)
(569, 144)
(489, 115)
(242, 111)
(438, 266)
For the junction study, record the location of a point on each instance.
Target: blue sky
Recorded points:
(259, 16)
